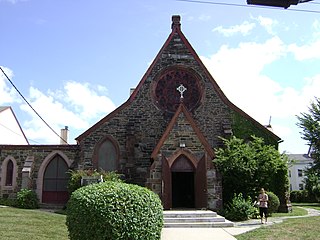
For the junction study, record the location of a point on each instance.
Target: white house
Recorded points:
(10, 129)
(296, 170)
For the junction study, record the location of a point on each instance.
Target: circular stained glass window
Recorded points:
(176, 85)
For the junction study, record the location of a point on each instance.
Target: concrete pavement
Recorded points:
(227, 233)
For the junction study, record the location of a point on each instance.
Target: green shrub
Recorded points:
(273, 203)
(114, 210)
(240, 208)
(76, 175)
(8, 202)
(27, 198)
(303, 196)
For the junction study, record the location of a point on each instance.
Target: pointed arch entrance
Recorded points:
(53, 179)
(184, 181)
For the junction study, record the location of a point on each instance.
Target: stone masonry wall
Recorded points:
(39, 152)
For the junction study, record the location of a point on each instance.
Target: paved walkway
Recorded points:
(225, 233)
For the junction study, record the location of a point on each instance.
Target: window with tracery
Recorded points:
(166, 95)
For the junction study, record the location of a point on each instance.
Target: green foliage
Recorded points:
(244, 129)
(273, 203)
(301, 196)
(240, 209)
(246, 167)
(310, 125)
(114, 210)
(76, 175)
(27, 198)
(8, 202)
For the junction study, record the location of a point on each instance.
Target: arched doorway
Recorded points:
(184, 182)
(55, 181)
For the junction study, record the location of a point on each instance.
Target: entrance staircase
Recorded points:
(194, 219)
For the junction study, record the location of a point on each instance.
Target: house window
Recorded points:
(300, 186)
(9, 173)
(290, 187)
(289, 173)
(300, 174)
(107, 156)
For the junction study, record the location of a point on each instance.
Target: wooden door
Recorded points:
(201, 184)
(55, 182)
(166, 184)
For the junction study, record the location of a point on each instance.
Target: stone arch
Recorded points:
(110, 145)
(180, 152)
(43, 167)
(4, 176)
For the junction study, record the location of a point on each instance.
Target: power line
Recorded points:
(32, 107)
(249, 6)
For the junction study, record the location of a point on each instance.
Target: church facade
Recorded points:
(163, 137)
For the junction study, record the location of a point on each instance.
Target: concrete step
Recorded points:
(194, 219)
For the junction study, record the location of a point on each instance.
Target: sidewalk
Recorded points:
(225, 233)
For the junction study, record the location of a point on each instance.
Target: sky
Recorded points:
(75, 61)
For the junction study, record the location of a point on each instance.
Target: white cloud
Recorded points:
(244, 29)
(311, 49)
(239, 73)
(77, 106)
(8, 94)
(304, 52)
(267, 23)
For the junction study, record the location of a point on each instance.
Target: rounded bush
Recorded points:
(114, 210)
(27, 198)
(273, 203)
(240, 208)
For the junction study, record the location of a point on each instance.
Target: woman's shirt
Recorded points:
(263, 199)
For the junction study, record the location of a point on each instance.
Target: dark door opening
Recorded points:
(183, 190)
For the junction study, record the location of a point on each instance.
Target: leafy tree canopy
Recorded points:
(309, 122)
(246, 167)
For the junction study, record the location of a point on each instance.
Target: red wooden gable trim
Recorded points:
(182, 109)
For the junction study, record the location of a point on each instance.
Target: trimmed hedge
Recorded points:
(114, 210)
(273, 203)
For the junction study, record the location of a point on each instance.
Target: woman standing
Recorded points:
(263, 205)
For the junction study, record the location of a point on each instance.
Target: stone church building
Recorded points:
(163, 137)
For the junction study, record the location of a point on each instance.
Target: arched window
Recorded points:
(9, 173)
(106, 155)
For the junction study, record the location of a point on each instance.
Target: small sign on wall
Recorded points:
(86, 180)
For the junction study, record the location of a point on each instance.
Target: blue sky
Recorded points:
(75, 61)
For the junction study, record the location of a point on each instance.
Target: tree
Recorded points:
(246, 167)
(310, 124)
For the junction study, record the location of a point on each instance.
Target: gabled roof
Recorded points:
(176, 29)
(4, 108)
(182, 109)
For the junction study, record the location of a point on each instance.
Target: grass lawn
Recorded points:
(308, 205)
(291, 229)
(31, 225)
(296, 211)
